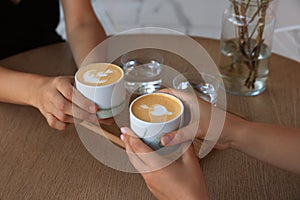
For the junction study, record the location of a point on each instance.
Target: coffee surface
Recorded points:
(99, 74)
(156, 108)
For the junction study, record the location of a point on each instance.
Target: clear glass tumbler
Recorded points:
(143, 71)
(206, 86)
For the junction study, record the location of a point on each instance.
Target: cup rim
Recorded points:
(157, 123)
(99, 86)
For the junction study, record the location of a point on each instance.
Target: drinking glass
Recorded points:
(142, 71)
(206, 86)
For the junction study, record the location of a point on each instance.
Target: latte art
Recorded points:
(99, 74)
(93, 76)
(157, 113)
(156, 108)
(159, 110)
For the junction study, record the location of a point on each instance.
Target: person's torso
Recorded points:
(28, 25)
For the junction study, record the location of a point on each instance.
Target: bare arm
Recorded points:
(53, 96)
(84, 31)
(18, 87)
(273, 144)
(276, 145)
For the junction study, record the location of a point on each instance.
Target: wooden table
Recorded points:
(37, 162)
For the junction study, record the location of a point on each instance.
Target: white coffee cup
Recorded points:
(152, 131)
(102, 83)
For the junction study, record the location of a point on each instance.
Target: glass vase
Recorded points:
(246, 42)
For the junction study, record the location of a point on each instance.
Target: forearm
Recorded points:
(84, 38)
(84, 30)
(18, 87)
(273, 144)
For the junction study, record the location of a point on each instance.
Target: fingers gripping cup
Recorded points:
(102, 83)
(153, 115)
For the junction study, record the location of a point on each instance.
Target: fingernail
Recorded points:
(122, 136)
(123, 130)
(166, 140)
(93, 108)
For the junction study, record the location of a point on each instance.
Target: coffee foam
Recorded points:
(99, 74)
(156, 108)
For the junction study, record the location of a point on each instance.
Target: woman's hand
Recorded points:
(54, 98)
(182, 179)
(232, 124)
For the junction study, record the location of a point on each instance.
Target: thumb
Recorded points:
(179, 136)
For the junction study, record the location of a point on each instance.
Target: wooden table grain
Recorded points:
(37, 162)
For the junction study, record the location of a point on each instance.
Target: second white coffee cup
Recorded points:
(153, 115)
